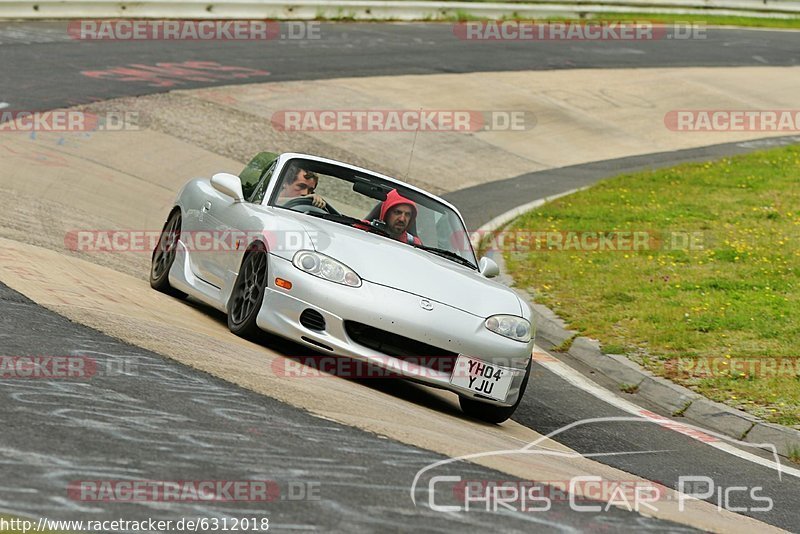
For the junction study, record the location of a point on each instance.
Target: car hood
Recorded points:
(383, 261)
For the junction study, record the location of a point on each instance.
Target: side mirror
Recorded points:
(488, 267)
(228, 184)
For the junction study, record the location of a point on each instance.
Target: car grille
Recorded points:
(312, 319)
(401, 347)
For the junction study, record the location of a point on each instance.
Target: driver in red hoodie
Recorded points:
(399, 212)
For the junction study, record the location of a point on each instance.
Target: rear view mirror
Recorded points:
(371, 190)
(228, 184)
(488, 267)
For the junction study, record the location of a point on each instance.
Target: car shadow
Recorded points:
(401, 388)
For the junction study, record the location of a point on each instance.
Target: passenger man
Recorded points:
(399, 213)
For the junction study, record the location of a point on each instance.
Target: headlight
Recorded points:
(510, 326)
(324, 267)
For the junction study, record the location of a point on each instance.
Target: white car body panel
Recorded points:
(396, 277)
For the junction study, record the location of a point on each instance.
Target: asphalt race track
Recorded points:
(167, 421)
(174, 423)
(46, 64)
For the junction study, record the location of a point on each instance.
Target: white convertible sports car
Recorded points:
(354, 264)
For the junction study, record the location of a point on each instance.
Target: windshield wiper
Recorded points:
(350, 221)
(447, 254)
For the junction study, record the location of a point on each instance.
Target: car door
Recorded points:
(227, 222)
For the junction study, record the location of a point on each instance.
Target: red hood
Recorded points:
(393, 198)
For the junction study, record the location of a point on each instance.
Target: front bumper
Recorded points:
(390, 310)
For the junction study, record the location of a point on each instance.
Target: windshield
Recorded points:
(373, 204)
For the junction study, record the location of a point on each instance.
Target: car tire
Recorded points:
(490, 413)
(164, 256)
(248, 293)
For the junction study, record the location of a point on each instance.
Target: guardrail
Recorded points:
(382, 10)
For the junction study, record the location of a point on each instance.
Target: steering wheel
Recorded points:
(305, 205)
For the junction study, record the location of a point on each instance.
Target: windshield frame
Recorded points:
(354, 174)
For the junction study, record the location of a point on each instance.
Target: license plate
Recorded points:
(481, 377)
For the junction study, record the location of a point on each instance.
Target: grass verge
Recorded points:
(794, 454)
(710, 297)
(464, 15)
(700, 20)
